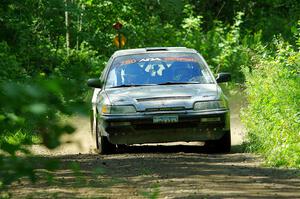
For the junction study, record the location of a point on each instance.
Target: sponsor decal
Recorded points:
(179, 59)
(183, 59)
(128, 61)
(150, 59)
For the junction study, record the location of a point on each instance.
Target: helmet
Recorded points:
(185, 71)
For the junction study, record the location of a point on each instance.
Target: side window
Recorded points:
(106, 68)
(113, 78)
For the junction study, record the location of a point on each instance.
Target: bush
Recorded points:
(272, 117)
(224, 48)
(9, 66)
(31, 113)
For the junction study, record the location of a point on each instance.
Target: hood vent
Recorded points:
(163, 98)
(165, 109)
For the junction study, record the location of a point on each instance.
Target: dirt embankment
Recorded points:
(163, 171)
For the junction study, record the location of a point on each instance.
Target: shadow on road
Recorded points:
(165, 171)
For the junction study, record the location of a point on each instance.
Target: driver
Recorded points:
(134, 74)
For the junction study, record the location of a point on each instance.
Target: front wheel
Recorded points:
(222, 145)
(103, 145)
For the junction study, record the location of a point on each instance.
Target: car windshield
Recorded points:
(158, 69)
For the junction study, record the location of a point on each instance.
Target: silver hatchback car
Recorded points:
(156, 95)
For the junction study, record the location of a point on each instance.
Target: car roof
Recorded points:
(152, 50)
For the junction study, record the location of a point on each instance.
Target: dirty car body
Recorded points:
(159, 95)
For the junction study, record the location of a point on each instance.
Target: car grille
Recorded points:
(180, 108)
(165, 126)
(185, 124)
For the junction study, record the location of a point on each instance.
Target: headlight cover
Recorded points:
(117, 109)
(210, 105)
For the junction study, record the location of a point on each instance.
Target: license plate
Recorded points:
(165, 119)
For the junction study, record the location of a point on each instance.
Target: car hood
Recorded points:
(163, 96)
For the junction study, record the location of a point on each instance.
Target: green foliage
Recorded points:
(80, 64)
(7, 58)
(272, 116)
(30, 113)
(226, 50)
(34, 107)
(223, 46)
(270, 17)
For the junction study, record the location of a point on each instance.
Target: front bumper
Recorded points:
(139, 128)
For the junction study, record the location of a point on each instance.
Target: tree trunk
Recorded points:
(67, 25)
(79, 22)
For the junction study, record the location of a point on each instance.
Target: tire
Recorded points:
(103, 145)
(222, 145)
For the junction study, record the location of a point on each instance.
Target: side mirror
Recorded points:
(95, 83)
(223, 77)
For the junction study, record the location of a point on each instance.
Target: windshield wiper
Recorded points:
(132, 85)
(172, 83)
(164, 83)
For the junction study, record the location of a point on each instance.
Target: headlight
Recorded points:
(209, 105)
(110, 109)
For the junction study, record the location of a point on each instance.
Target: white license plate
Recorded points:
(165, 119)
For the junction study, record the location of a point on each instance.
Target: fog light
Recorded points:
(120, 124)
(211, 119)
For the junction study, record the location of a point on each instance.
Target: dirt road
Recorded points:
(176, 171)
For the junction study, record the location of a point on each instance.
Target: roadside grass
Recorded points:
(18, 142)
(20, 137)
(272, 116)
